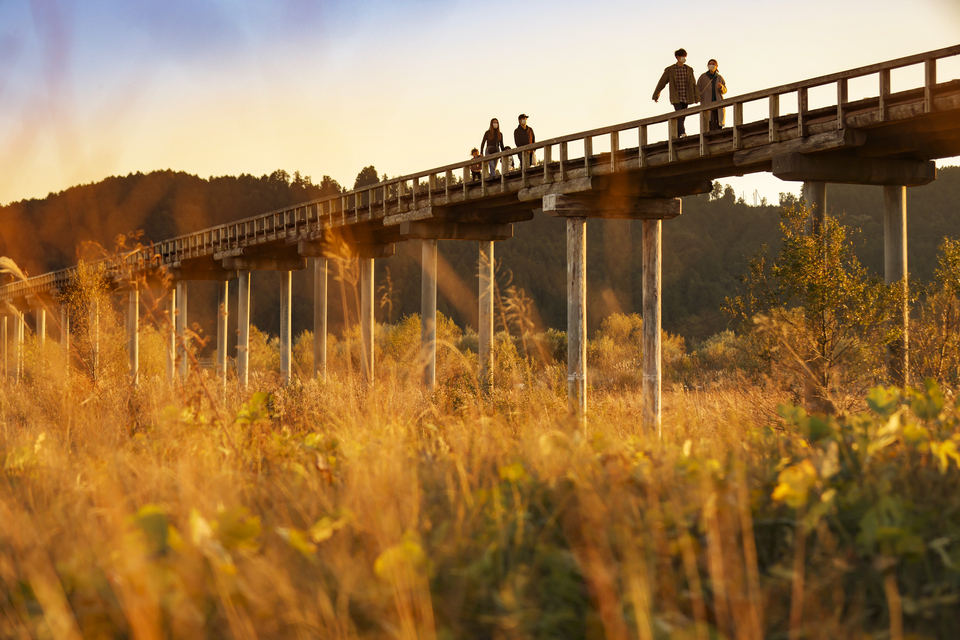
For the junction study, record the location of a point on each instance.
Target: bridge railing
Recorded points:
(555, 163)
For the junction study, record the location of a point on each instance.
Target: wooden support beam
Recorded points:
(65, 331)
(201, 274)
(652, 367)
(815, 195)
(133, 331)
(222, 317)
(830, 140)
(366, 320)
(171, 335)
(615, 207)
(895, 272)
(94, 336)
(244, 263)
(4, 337)
(428, 315)
(576, 185)
(182, 340)
(21, 323)
(853, 170)
(243, 330)
(40, 317)
(485, 329)
(455, 231)
(372, 251)
(577, 315)
(320, 318)
(286, 294)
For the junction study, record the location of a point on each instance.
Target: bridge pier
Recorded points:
(3, 337)
(40, 318)
(286, 292)
(485, 323)
(243, 330)
(895, 272)
(181, 328)
(223, 300)
(65, 331)
(814, 193)
(171, 335)
(21, 323)
(428, 315)
(894, 175)
(652, 316)
(285, 264)
(93, 333)
(366, 320)
(133, 330)
(652, 211)
(320, 318)
(577, 315)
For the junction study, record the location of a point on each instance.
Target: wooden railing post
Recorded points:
(643, 145)
(884, 93)
(737, 125)
(704, 119)
(841, 101)
(802, 108)
(929, 82)
(671, 135)
(614, 150)
(774, 114)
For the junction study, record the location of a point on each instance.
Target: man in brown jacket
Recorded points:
(683, 86)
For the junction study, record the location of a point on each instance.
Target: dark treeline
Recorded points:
(704, 250)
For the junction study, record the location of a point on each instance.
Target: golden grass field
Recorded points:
(330, 510)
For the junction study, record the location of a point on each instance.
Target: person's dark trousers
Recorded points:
(715, 121)
(677, 107)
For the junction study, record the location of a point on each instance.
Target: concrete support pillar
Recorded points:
(577, 315)
(93, 333)
(814, 194)
(428, 315)
(895, 271)
(65, 329)
(485, 348)
(652, 372)
(366, 319)
(171, 335)
(286, 289)
(243, 326)
(133, 331)
(40, 315)
(3, 336)
(21, 330)
(182, 325)
(223, 299)
(320, 318)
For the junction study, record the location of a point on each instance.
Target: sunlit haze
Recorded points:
(100, 88)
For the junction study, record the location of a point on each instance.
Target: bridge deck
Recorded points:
(917, 124)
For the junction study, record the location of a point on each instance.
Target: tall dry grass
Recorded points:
(327, 509)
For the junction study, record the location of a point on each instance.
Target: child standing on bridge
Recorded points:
(683, 86)
(711, 86)
(492, 143)
(475, 168)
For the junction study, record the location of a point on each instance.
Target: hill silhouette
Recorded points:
(704, 250)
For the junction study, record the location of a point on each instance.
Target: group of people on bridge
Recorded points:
(493, 143)
(685, 90)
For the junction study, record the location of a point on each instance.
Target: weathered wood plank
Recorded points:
(853, 170)
(615, 207)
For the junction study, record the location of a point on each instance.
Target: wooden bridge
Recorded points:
(636, 170)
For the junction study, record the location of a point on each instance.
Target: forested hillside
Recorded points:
(704, 250)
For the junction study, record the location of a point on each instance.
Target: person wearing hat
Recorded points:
(683, 86)
(524, 135)
(711, 86)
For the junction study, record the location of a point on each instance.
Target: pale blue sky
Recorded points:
(97, 88)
